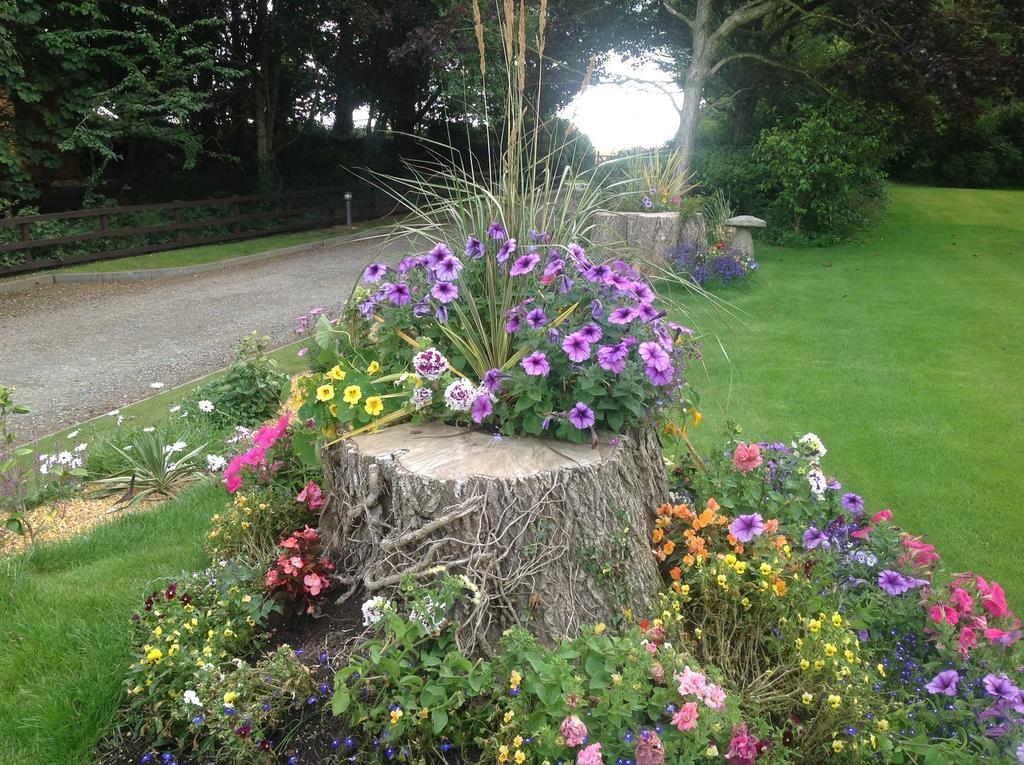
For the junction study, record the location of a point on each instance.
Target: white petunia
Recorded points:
(150, 429)
(190, 697)
(205, 406)
(819, 484)
(374, 610)
(811, 447)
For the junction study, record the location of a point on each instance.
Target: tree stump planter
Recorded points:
(554, 535)
(651, 235)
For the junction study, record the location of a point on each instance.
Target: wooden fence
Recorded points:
(35, 242)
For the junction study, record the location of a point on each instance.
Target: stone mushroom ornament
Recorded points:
(743, 240)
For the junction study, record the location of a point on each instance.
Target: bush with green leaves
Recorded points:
(248, 393)
(154, 468)
(410, 688)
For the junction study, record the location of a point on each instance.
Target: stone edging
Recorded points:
(43, 280)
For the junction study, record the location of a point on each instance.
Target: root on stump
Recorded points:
(554, 535)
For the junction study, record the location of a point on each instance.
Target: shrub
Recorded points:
(153, 467)
(301, 573)
(248, 393)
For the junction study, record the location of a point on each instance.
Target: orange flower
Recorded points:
(669, 547)
(779, 542)
(779, 585)
(657, 535)
(771, 526)
(676, 573)
(732, 540)
(665, 509)
(712, 505)
(738, 549)
(662, 522)
(682, 511)
(688, 560)
(705, 518)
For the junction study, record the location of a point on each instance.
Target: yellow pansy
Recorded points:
(325, 393)
(835, 701)
(517, 742)
(336, 373)
(740, 567)
(373, 369)
(396, 715)
(838, 746)
(514, 680)
(374, 405)
(806, 698)
(520, 758)
(229, 698)
(352, 394)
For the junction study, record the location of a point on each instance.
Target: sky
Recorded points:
(621, 115)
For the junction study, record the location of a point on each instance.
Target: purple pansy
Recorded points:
(944, 683)
(581, 416)
(576, 347)
(536, 364)
(746, 527)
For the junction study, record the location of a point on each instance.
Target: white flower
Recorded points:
(113, 413)
(156, 385)
(72, 434)
(177, 446)
(150, 429)
(811, 447)
(81, 447)
(818, 482)
(374, 610)
(215, 462)
(421, 398)
(190, 697)
(176, 408)
(205, 406)
(460, 395)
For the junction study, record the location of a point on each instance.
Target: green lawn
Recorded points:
(65, 614)
(905, 353)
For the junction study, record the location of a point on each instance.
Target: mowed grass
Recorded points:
(65, 624)
(905, 353)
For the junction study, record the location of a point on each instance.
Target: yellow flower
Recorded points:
(835, 701)
(616, 679)
(599, 628)
(336, 373)
(837, 620)
(373, 369)
(729, 560)
(819, 665)
(374, 405)
(830, 649)
(352, 394)
(517, 742)
(229, 697)
(804, 664)
(814, 625)
(503, 753)
(799, 643)
(740, 567)
(507, 718)
(881, 670)
(158, 631)
(806, 698)
(514, 680)
(325, 393)
(883, 725)
(333, 409)
(520, 757)
(396, 715)
(765, 569)
(154, 655)
(838, 746)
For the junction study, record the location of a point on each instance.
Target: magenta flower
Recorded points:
(474, 248)
(619, 282)
(581, 416)
(496, 231)
(590, 755)
(591, 333)
(492, 380)
(648, 312)
(445, 292)
(507, 248)
(746, 527)
(481, 408)
(436, 255)
(374, 272)
(623, 315)
(597, 273)
(524, 264)
(659, 375)
(399, 294)
(536, 364)
(944, 683)
(576, 347)
(448, 268)
(536, 319)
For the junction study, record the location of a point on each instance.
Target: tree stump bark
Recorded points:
(652, 235)
(554, 535)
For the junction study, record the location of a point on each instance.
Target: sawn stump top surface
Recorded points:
(449, 453)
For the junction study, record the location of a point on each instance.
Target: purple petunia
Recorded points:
(612, 358)
(623, 315)
(481, 409)
(492, 380)
(746, 527)
(944, 683)
(374, 272)
(536, 364)
(445, 292)
(536, 319)
(596, 309)
(496, 231)
(659, 375)
(512, 325)
(507, 248)
(474, 248)
(581, 416)
(554, 268)
(815, 537)
(448, 268)
(648, 312)
(893, 582)
(399, 294)
(524, 264)
(436, 255)
(852, 503)
(576, 347)
(591, 333)
(642, 292)
(597, 273)
(1001, 687)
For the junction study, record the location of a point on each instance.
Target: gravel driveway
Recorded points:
(74, 351)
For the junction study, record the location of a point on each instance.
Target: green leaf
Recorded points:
(340, 700)
(24, 451)
(433, 696)
(439, 718)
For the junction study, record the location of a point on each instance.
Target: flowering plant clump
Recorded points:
(531, 337)
(716, 264)
(301, 574)
(255, 520)
(191, 681)
(594, 698)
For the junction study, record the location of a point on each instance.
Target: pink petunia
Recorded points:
(686, 718)
(968, 639)
(746, 457)
(590, 755)
(311, 495)
(573, 730)
(942, 613)
(882, 515)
